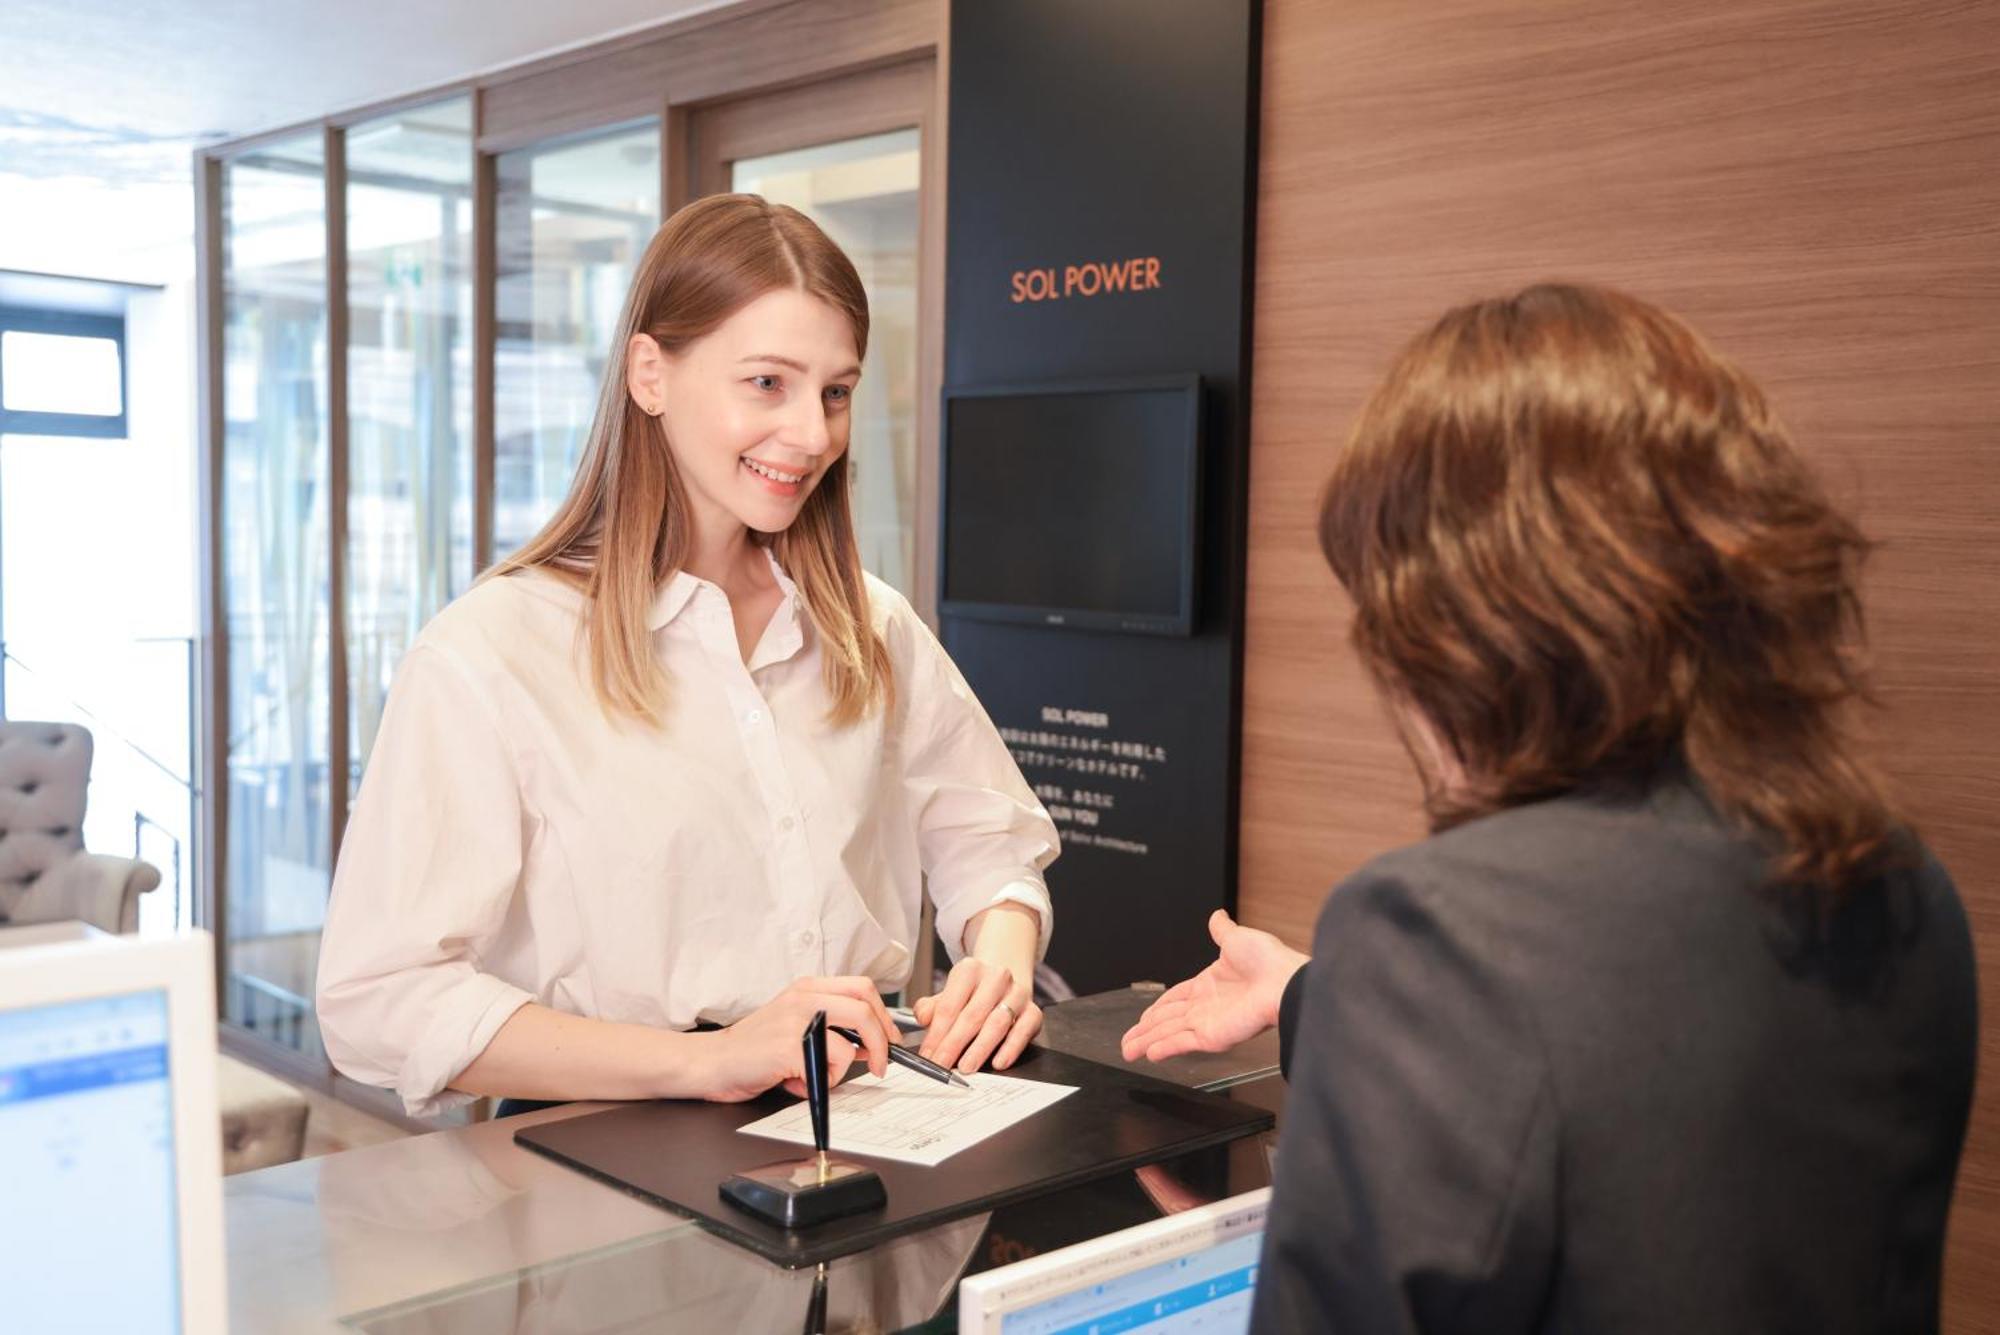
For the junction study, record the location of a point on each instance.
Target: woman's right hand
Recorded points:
(1232, 1000)
(766, 1047)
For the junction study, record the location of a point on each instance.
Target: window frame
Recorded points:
(41, 320)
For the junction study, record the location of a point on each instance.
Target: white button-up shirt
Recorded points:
(511, 842)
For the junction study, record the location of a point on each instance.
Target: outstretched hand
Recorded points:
(1234, 999)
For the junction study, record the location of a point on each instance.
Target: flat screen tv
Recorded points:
(1074, 505)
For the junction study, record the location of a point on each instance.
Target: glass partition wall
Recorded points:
(409, 392)
(572, 221)
(863, 193)
(406, 330)
(275, 551)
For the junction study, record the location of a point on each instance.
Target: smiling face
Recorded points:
(755, 412)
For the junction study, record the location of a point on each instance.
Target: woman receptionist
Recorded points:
(678, 763)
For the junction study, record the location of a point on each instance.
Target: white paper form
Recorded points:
(911, 1119)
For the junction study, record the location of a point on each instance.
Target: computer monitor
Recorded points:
(1193, 1271)
(1074, 504)
(110, 1147)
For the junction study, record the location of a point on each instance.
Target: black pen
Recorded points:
(916, 1061)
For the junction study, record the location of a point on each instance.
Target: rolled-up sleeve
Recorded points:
(982, 835)
(427, 870)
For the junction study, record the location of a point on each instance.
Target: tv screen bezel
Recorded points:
(1179, 623)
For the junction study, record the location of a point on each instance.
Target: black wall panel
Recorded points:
(1101, 132)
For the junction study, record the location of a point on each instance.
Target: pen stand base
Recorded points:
(798, 1193)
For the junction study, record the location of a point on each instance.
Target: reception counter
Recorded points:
(464, 1231)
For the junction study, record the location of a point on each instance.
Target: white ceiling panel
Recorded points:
(103, 101)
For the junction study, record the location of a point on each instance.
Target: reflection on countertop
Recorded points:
(312, 1241)
(461, 1230)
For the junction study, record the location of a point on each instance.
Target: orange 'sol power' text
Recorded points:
(1096, 278)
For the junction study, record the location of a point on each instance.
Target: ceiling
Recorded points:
(103, 101)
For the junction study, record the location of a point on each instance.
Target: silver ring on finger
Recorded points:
(1012, 1014)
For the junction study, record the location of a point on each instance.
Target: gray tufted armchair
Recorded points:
(45, 876)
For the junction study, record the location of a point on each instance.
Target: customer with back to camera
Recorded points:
(678, 765)
(1670, 1024)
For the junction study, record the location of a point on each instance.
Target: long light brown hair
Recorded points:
(624, 528)
(1582, 546)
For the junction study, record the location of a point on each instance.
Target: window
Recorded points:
(275, 514)
(61, 374)
(573, 218)
(409, 393)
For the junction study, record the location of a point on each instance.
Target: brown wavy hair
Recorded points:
(1581, 545)
(624, 527)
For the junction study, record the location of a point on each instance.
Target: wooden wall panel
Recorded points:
(1817, 186)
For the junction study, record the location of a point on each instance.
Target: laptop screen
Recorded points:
(90, 1216)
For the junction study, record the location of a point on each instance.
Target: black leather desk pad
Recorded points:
(1090, 1027)
(676, 1154)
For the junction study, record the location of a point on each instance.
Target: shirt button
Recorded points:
(754, 716)
(805, 938)
(786, 824)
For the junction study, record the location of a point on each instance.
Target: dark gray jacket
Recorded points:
(1572, 1068)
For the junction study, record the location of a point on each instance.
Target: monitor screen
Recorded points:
(1073, 505)
(88, 1211)
(1208, 1291)
(1195, 1271)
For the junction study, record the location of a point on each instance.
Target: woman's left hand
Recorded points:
(985, 1011)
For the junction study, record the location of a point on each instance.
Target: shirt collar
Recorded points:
(785, 635)
(670, 598)
(784, 580)
(674, 595)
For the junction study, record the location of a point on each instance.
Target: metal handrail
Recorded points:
(139, 821)
(107, 735)
(101, 729)
(288, 1013)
